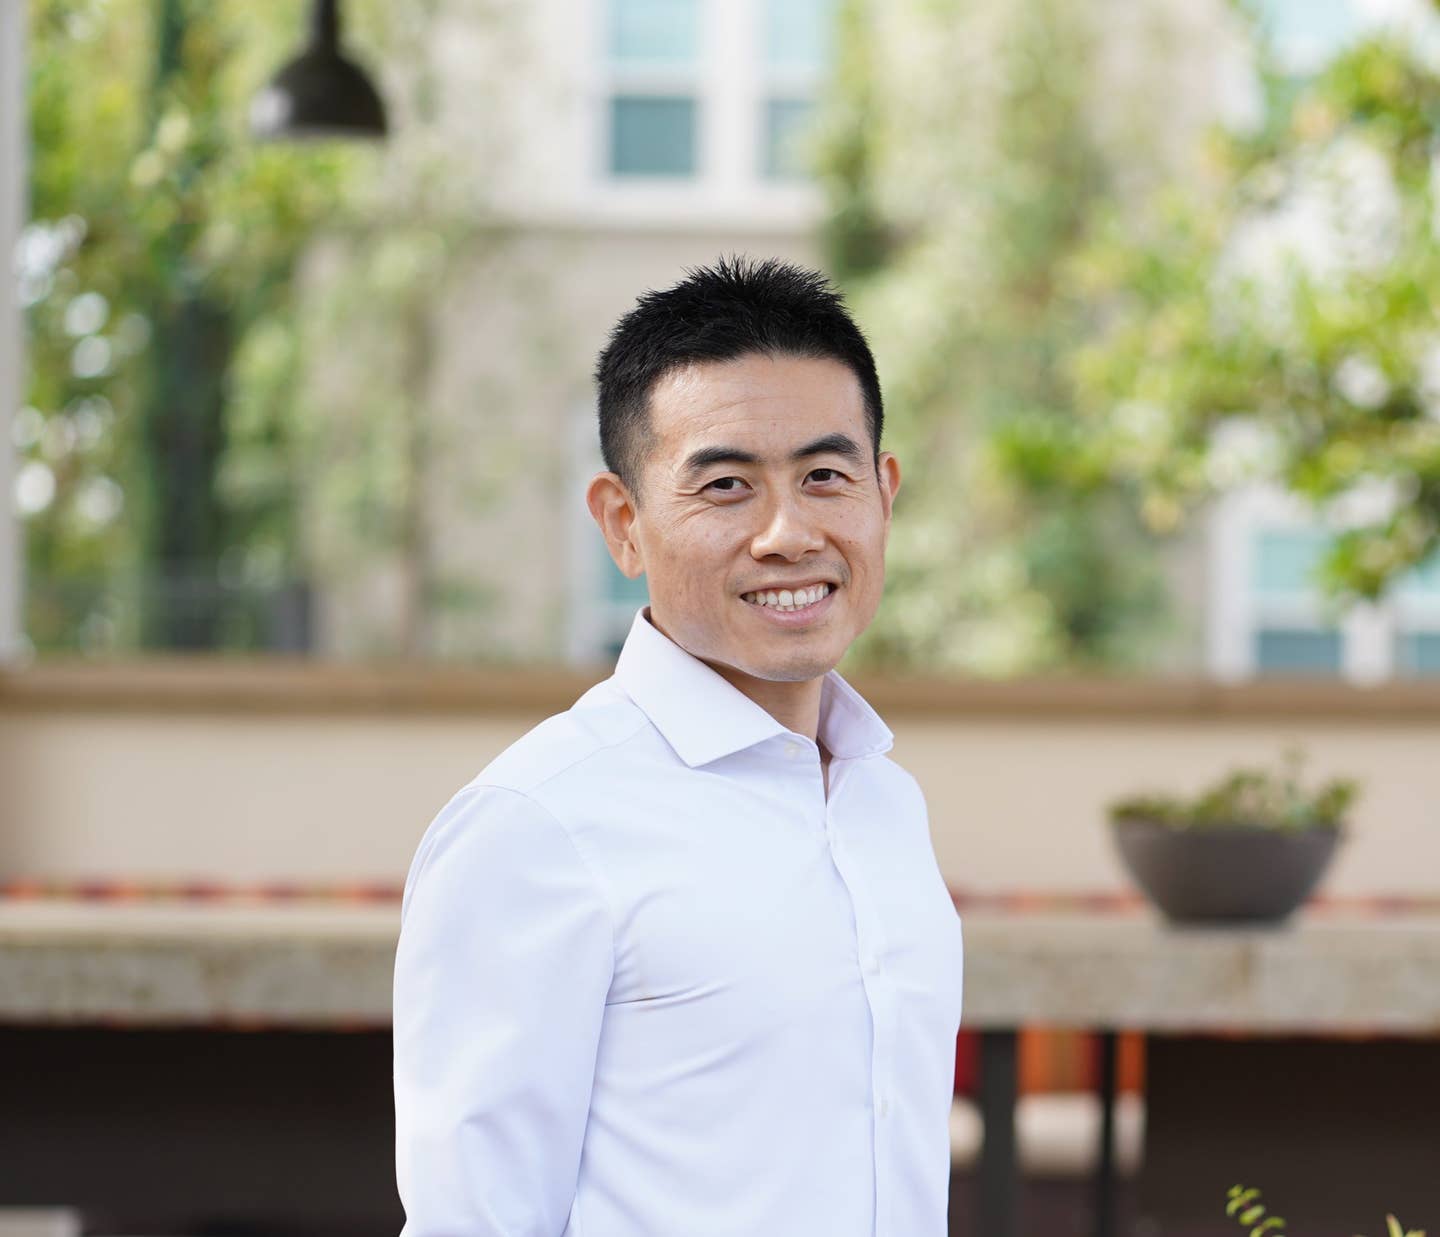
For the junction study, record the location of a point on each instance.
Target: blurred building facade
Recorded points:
(639, 137)
(591, 151)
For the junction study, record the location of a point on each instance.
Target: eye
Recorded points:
(732, 485)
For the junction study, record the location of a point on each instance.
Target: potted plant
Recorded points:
(1248, 849)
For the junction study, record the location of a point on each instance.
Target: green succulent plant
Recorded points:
(1245, 1205)
(1248, 796)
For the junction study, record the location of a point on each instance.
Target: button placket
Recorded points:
(870, 946)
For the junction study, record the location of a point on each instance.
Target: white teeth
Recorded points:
(790, 600)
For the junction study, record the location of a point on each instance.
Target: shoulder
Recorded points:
(561, 747)
(489, 844)
(901, 777)
(898, 786)
(519, 813)
(491, 862)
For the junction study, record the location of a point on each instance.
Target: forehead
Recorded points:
(755, 399)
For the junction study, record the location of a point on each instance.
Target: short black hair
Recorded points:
(722, 312)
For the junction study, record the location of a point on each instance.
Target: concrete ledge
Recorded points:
(328, 964)
(243, 684)
(39, 1222)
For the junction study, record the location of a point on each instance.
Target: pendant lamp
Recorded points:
(320, 93)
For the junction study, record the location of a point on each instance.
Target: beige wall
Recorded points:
(311, 774)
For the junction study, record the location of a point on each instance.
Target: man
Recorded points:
(679, 962)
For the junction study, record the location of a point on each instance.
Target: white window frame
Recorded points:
(787, 83)
(653, 81)
(1368, 631)
(729, 84)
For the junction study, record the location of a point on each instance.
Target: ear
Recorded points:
(613, 508)
(888, 474)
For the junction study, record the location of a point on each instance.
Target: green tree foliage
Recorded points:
(1279, 322)
(161, 237)
(272, 409)
(962, 174)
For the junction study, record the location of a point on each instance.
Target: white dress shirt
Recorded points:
(652, 982)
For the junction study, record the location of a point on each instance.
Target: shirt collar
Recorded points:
(704, 717)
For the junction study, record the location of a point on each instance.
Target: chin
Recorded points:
(796, 670)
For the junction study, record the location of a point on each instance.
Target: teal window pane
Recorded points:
(1307, 33)
(1418, 653)
(652, 136)
(787, 126)
(1285, 560)
(654, 33)
(1293, 650)
(799, 34)
(620, 588)
(1422, 581)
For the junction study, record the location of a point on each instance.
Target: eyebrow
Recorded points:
(830, 444)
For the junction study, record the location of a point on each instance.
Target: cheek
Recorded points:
(716, 539)
(861, 535)
(696, 557)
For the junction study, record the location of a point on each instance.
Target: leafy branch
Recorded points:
(1245, 1206)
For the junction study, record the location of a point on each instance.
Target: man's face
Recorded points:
(761, 479)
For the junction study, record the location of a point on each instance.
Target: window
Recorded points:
(797, 35)
(1267, 615)
(652, 136)
(1289, 636)
(786, 129)
(1417, 621)
(1297, 650)
(1286, 559)
(654, 61)
(1417, 653)
(654, 33)
(709, 101)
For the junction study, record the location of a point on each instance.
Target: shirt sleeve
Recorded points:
(501, 972)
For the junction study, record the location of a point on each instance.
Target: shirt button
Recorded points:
(792, 750)
(872, 964)
(884, 1106)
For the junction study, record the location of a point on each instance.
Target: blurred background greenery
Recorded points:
(1119, 264)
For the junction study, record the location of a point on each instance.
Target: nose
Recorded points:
(787, 530)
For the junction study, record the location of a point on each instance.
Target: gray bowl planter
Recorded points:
(1225, 873)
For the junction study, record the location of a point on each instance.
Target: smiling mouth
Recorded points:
(788, 601)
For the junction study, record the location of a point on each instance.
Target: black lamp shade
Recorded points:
(320, 93)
